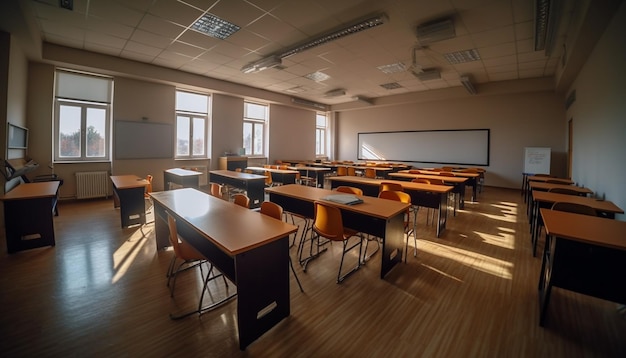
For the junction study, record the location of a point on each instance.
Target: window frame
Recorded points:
(84, 105)
(321, 132)
(254, 122)
(191, 115)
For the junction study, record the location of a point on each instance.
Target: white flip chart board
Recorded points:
(537, 160)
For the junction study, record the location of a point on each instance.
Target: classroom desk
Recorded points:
(283, 176)
(254, 255)
(378, 217)
(543, 186)
(28, 215)
(472, 178)
(457, 182)
(253, 184)
(543, 179)
(426, 195)
(319, 172)
(585, 254)
(544, 199)
(183, 177)
(129, 196)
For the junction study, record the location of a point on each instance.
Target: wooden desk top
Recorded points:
(231, 227)
(238, 175)
(545, 179)
(381, 208)
(539, 185)
(312, 169)
(441, 189)
(600, 205)
(182, 172)
(432, 172)
(280, 171)
(454, 179)
(584, 228)
(32, 191)
(128, 181)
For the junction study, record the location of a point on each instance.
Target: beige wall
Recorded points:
(292, 133)
(599, 116)
(516, 121)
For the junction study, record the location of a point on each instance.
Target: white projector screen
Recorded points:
(465, 146)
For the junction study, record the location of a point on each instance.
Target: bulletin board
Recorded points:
(537, 160)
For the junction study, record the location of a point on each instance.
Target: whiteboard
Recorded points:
(143, 140)
(464, 146)
(537, 160)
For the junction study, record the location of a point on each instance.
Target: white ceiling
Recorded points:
(158, 32)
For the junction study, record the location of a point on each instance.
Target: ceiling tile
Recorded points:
(137, 47)
(176, 12)
(159, 26)
(115, 13)
(238, 12)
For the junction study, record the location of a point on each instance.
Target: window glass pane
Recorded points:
(192, 102)
(96, 132)
(69, 131)
(320, 120)
(254, 111)
(182, 135)
(247, 137)
(258, 138)
(198, 136)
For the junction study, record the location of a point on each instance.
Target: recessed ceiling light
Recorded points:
(317, 76)
(462, 56)
(392, 68)
(214, 26)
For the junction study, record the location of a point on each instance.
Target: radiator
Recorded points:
(203, 180)
(92, 185)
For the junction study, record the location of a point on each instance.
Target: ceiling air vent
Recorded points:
(435, 31)
(391, 85)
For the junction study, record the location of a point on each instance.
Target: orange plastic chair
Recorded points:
(350, 190)
(216, 190)
(190, 258)
(387, 186)
(149, 186)
(370, 173)
(404, 198)
(276, 211)
(329, 224)
(351, 171)
(242, 200)
(342, 171)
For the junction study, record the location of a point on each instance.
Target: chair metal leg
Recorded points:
(346, 249)
(295, 275)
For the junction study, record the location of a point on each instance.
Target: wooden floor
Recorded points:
(470, 293)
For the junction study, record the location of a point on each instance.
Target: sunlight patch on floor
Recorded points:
(126, 254)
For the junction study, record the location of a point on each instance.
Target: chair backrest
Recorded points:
(395, 195)
(328, 222)
(248, 171)
(422, 180)
(446, 174)
(341, 171)
(350, 190)
(241, 200)
(370, 173)
(563, 191)
(554, 181)
(352, 171)
(238, 170)
(149, 186)
(447, 169)
(574, 208)
(272, 209)
(386, 186)
(216, 190)
(268, 178)
(171, 224)
(436, 181)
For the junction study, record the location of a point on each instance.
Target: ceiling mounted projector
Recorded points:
(427, 74)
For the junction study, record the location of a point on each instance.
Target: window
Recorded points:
(192, 114)
(82, 117)
(321, 127)
(254, 120)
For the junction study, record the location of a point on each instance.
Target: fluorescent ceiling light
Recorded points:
(391, 85)
(392, 68)
(457, 57)
(335, 93)
(365, 100)
(213, 26)
(262, 64)
(317, 76)
(465, 81)
(337, 34)
(546, 19)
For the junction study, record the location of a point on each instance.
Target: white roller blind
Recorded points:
(71, 85)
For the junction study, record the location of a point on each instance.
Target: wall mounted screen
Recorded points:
(143, 140)
(17, 137)
(464, 147)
